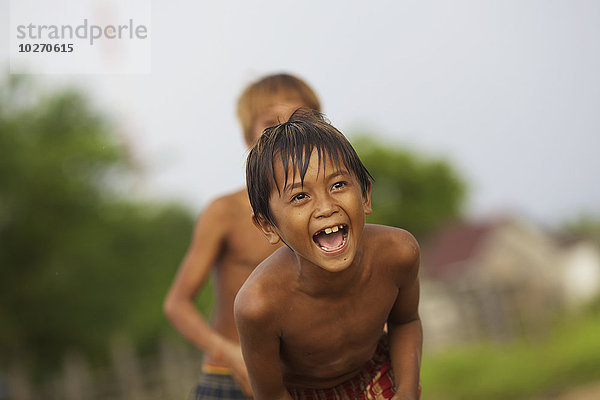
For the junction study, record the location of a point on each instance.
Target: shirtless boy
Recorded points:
(227, 243)
(311, 316)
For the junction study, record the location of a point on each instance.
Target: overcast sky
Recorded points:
(507, 91)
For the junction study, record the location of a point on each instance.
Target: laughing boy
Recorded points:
(311, 317)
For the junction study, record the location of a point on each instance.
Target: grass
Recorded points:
(568, 356)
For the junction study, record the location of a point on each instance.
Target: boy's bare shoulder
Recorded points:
(393, 247)
(228, 202)
(261, 296)
(227, 207)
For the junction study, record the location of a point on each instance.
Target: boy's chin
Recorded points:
(338, 264)
(335, 268)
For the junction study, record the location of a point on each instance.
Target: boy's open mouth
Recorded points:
(332, 238)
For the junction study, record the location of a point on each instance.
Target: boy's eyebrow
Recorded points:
(299, 184)
(336, 173)
(293, 186)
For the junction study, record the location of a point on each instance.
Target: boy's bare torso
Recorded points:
(329, 332)
(243, 248)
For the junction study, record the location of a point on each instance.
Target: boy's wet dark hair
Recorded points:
(294, 141)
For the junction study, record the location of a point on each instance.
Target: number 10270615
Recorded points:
(45, 48)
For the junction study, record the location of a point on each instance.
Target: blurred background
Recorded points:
(478, 119)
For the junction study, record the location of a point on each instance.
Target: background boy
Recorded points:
(226, 242)
(311, 316)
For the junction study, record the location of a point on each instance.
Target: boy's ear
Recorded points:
(267, 229)
(367, 200)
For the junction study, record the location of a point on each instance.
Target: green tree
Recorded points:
(79, 262)
(586, 226)
(410, 191)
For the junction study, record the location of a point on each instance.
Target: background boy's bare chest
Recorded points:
(244, 245)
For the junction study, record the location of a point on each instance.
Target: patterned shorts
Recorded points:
(217, 386)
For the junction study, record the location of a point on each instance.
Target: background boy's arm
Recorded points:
(260, 341)
(179, 306)
(404, 324)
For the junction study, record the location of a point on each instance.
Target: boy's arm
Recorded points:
(209, 233)
(260, 340)
(404, 325)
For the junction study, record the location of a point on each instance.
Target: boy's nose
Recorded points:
(325, 208)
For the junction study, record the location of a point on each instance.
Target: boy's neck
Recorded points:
(317, 282)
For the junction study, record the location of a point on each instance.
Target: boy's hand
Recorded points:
(231, 356)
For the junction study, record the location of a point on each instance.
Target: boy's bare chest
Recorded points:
(329, 337)
(245, 245)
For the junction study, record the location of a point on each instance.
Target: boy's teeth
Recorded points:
(333, 229)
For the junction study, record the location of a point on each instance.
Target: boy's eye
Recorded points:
(299, 197)
(339, 185)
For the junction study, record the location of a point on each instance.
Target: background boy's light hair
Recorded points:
(270, 90)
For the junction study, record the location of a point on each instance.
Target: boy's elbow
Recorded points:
(170, 306)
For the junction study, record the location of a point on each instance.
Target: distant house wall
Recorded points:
(512, 283)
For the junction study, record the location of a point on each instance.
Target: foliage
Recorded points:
(585, 226)
(569, 356)
(79, 263)
(410, 191)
